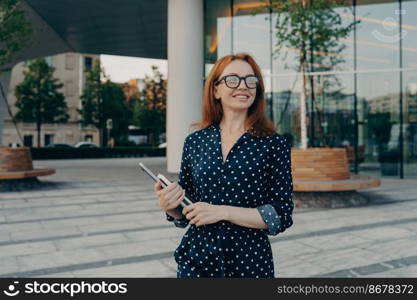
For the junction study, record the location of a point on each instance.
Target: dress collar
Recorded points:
(217, 128)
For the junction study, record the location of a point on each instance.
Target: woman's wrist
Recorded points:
(225, 212)
(175, 214)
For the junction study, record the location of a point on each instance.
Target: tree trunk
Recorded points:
(38, 121)
(38, 109)
(313, 99)
(303, 97)
(100, 137)
(38, 129)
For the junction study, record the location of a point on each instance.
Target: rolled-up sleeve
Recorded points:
(185, 181)
(277, 212)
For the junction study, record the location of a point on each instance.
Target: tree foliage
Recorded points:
(38, 97)
(149, 109)
(314, 30)
(103, 100)
(115, 108)
(91, 108)
(14, 30)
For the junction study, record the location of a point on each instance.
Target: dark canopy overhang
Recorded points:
(118, 27)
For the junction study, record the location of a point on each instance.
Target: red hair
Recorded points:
(212, 108)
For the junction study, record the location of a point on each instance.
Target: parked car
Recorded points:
(59, 146)
(163, 145)
(85, 145)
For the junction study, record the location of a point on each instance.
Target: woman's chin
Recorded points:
(238, 105)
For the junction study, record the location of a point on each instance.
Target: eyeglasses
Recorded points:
(233, 81)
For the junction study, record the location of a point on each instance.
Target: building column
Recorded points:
(185, 74)
(5, 81)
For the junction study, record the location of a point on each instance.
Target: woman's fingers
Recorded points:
(175, 201)
(171, 193)
(195, 220)
(170, 197)
(179, 200)
(157, 187)
(176, 196)
(187, 209)
(191, 214)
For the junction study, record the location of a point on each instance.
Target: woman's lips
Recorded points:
(241, 97)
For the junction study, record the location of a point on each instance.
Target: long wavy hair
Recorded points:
(256, 120)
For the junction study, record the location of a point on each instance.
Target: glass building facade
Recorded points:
(367, 103)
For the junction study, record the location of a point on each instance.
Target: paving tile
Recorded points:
(46, 233)
(58, 259)
(135, 249)
(90, 241)
(4, 237)
(26, 249)
(137, 270)
(8, 265)
(125, 234)
(110, 226)
(383, 233)
(145, 235)
(405, 272)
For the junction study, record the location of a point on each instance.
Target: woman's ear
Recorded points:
(216, 93)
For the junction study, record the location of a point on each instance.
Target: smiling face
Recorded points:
(240, 98)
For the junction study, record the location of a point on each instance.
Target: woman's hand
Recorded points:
(202, 213)
(170, 197)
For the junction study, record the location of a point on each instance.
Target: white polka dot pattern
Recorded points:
(256, 173)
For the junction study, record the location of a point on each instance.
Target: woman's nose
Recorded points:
(242, 85)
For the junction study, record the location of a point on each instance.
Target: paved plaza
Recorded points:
(100, 218)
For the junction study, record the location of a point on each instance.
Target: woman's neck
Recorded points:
(233, 123)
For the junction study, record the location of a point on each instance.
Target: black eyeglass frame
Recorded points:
(240, 80)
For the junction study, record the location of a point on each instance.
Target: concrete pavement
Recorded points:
(100, 218)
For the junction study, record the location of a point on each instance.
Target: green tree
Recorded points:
(38, 97)
(91, 111)
(103, 100)
(14, 30)
(149, 110)
(379, 125)
(14, 33)
(314, 29)
(115, 108)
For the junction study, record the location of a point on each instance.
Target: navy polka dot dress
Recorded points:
(255, 174)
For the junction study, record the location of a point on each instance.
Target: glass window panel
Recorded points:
(329, 92)
(379, 119)
(377, 35)
(409, 89)
(251, 33)
(285, 106)
(217, 31)
(378, 86)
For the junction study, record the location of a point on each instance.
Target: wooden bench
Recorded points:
(350, 151)
(326, 170)
(16, 163)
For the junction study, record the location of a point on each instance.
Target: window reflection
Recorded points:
(409, 88)
(230, 27)
(378, 86)
(218, 31)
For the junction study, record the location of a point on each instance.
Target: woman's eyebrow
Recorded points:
(239, 75)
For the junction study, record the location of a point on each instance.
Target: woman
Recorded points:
(237, 171)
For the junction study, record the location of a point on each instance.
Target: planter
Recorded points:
(15, 159)
(390, 161)
(16, 169)
(319, 164)
(389, 169)
(321, 178)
